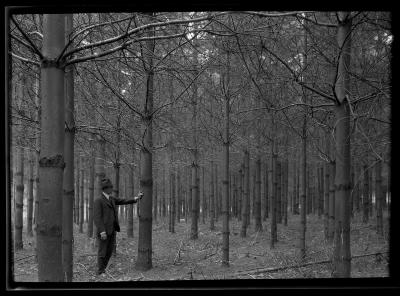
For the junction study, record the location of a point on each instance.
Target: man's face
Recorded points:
(108, 190)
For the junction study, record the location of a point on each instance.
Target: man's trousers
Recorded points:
(104, 252)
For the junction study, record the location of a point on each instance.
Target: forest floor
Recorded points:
(177, 257)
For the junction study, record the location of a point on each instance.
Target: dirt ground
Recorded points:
(177, 257)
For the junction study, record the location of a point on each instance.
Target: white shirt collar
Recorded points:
(106, 195)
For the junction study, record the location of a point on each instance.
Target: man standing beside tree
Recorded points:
(106, 221)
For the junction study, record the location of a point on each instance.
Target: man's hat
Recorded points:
(105, 182)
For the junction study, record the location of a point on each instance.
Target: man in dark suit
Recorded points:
(106, 221)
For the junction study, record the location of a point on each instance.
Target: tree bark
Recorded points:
(30, 196)
(51, 163)
(19, 199)
(81, 194)
(257, 213)
(274, 235)
(365, 195)
(246, 197)
(342, 254)
(131, 192)
(378, 197)
(68, 179)
(212, 197)
(144, 258)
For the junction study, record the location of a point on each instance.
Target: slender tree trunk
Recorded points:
(285, 192)
(378, 197)
(303, 205)
(77, 191)
(30, 196)
(144, 258)
(51, 163)
(164, 207)
(212, 198)
(365, 195)
(171, 201)
(91, 193)
(204, 203)
(326, 200)
(246, 195)
(331, 225)
(81, 200)
(279, 193)
(257, 214)
(131, 192)
(68, 179)
(225, 199)
(274, 235)
(240, 207)
(266, 196)
(19, 199)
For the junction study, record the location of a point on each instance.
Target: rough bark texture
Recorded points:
(49, 223)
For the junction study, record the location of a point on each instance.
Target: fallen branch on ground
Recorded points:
(23, 258)
(272, 269)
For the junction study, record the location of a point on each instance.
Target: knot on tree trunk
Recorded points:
(56, 161)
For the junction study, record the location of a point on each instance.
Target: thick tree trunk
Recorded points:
(246, 196)
(68, 179)
(19, 199)
(342, 254)
(51, 163)
(144, 258)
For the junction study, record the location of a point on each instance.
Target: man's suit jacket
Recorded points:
(105, 213)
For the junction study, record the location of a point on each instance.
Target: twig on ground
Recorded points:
(178, 254)
(272, 269)
(110, 275)
(84, 267)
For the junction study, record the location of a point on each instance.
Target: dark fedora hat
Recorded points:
(105, 182)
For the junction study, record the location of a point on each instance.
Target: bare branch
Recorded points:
(25, 60)
(35, 49)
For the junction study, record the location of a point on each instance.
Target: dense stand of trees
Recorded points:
(215, 116)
